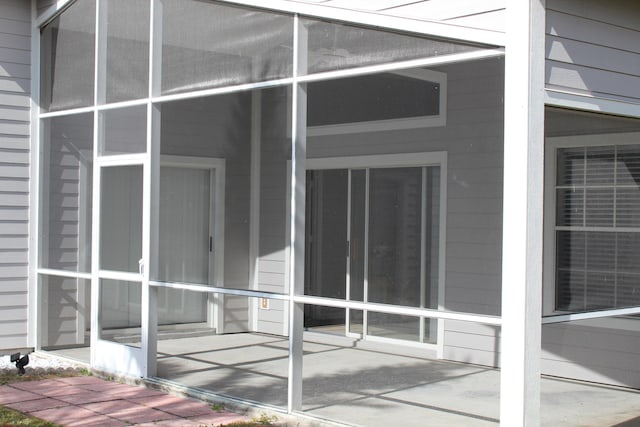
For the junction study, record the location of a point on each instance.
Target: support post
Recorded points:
(296, 242)
(522, 218)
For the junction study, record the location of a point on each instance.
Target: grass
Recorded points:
(14, 377)
(9, 417)
(262, 420)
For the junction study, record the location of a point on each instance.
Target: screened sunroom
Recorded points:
(316, 213)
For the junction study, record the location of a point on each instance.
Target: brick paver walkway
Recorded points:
(91, 401)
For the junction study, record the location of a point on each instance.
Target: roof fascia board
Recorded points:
(431, 28)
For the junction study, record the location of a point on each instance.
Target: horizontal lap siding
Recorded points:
(592, 353)
(15, 84)
(274, 195)
(592, 49)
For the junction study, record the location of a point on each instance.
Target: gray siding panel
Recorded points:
(17, 10)
(592, 48)
(600, 10)
(15, 83)
(587, 351)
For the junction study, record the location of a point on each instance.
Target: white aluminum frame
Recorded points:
(35, 304)
(108, 355)
(115, 355)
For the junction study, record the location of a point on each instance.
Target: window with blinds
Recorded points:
(597, 230)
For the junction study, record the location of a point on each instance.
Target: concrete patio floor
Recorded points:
(372, 386)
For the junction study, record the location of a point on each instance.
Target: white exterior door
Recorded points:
(118, 272)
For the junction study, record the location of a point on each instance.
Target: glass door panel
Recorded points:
(326, 244)
(394, 248)
(357, 231)
(395, 229)
(393, 326)
(431, 243)
(185, 246)
(120, 311)
(120, 253)
(121, 218)
(357, 247)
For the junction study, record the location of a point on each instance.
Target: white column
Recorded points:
(296, 242)
(522, 218)
(151, 197)
(34, 338)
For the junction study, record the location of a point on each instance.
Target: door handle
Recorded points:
(141, 266)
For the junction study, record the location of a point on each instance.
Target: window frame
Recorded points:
(440, 119)
(552, 145)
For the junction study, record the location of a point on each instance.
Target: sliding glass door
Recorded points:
(372, 236)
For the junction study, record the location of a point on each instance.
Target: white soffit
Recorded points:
(442, 10)
(370, 5)
(374, 13)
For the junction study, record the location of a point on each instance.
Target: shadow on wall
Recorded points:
(591, 48)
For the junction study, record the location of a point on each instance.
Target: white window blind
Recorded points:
(597, 227)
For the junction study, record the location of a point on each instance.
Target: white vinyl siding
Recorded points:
(15, 30)
(599, 350)
(592, 48)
